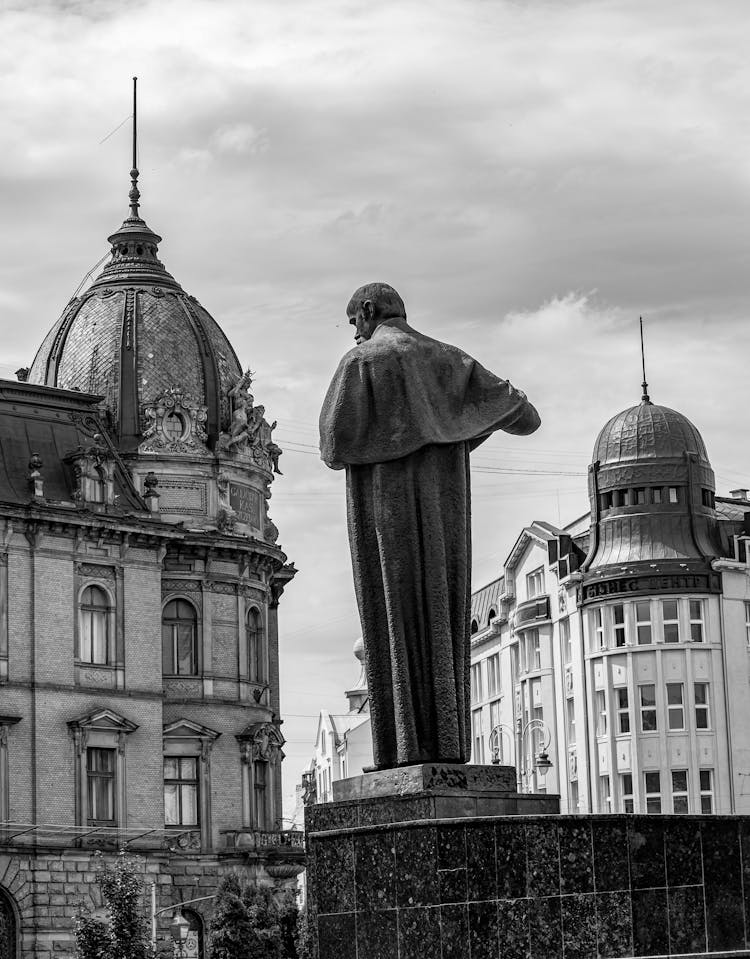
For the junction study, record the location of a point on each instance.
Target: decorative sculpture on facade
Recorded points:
(174, 423)
(249, 433)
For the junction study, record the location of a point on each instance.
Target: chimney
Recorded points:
(740, 494)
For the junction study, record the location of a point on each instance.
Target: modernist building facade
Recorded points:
(140, 578)
(619, 646)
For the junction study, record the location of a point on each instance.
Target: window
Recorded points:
(605, 795)
(702, 706)
(696, 620)
(477, 692)
(256, 659)
(605, 500)
(192, 947)
(180, 790)
(656, 494)
(491, 615)
(675, 710)
(599, 639)
(179, 638)
(626, 792)
(705, 777)
(567, 645)
(574, 797)
(670, 621)
(747, 624)
(495, 714)
(623, 711)
(680, 790)
(100, 784)
(474, 627)
(618, 621)
(601, 713)
(643, 623)
(515, 665)
(647, 694)
(571, 721)
(707, 498)
(534, 649)
(493, 675)
(673, 494)
(94, 617)
(640, 496)
(259, 793)
(653, 791)
(477, 751)
(535, 583)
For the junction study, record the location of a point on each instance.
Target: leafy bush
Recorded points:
(251, 922)
(126, 934)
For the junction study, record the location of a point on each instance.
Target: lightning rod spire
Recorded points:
(645, 398)
(134, 194)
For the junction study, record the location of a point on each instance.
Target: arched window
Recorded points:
(474, 627)
(492, 614)
(94, 626)
(179, 638)
(8, 937)
(193, 945)
(256, 660)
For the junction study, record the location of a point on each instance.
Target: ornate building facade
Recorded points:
(140, 578)
(619, 647)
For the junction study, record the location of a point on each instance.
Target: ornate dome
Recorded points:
(134, 335)
(647, 432)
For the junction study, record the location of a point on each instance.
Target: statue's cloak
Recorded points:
(401, 415)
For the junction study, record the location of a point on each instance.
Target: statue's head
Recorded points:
(371, 305)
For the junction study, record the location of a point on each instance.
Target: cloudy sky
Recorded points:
(530, 175)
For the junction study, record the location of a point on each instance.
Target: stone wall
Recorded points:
(48, 889)
(532, 887)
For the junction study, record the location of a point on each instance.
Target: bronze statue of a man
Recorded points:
(401, 415)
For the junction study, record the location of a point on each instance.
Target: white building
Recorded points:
(343, 743)
(627, 633)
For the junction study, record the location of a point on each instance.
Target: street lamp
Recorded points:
(496, 742)
(542, 762)
(179, 928)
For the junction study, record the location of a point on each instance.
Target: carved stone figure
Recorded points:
(401, 416)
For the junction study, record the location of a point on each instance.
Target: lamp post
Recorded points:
(542, 762)
(496, 742)
(179, 928)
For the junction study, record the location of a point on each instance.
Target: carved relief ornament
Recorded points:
(174, 422)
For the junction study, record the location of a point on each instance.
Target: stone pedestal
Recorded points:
(390, 877)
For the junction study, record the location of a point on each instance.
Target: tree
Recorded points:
(126, 934)
(251, 922)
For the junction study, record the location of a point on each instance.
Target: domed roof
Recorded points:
(647, 432)
(135, 334)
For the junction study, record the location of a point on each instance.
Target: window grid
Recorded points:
(680, 791)
(180, 791)
(652, 783)
(647, 694)
(747, 624)
(100, 785)
(702, 706)
(179, 638)
(478, 748)
(675, 707)
(477, 692)
(626, 792)
(618, 620)
(623, 710)
(535, 582)
(535, 648)
(605, 795)
(567, 645)
(601, 713)
(493, 674)
(696, 620)
(599, 638)
(571, 717)
(643, 623)
(670, 620)
(94, 626)
(705, 777)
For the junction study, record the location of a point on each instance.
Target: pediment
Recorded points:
(103, 719)
(188, 729)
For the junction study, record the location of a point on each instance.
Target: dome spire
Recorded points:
(134, 194)
(645, 398)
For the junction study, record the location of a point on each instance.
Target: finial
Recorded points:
(134, 194)
(645, 398)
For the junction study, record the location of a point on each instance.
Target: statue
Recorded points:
(401, 416)
(242, 400)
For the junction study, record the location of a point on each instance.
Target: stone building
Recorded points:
(618, 648)
(140, 578)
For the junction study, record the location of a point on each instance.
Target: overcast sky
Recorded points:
(531, 176)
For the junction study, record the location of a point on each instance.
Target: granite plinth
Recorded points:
(438, 779)
(532, 887)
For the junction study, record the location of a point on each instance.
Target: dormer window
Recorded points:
(173, 426)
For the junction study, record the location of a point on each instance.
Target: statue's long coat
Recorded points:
(401, 415)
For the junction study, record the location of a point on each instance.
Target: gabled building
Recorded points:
(140, 579)
(618, 647)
